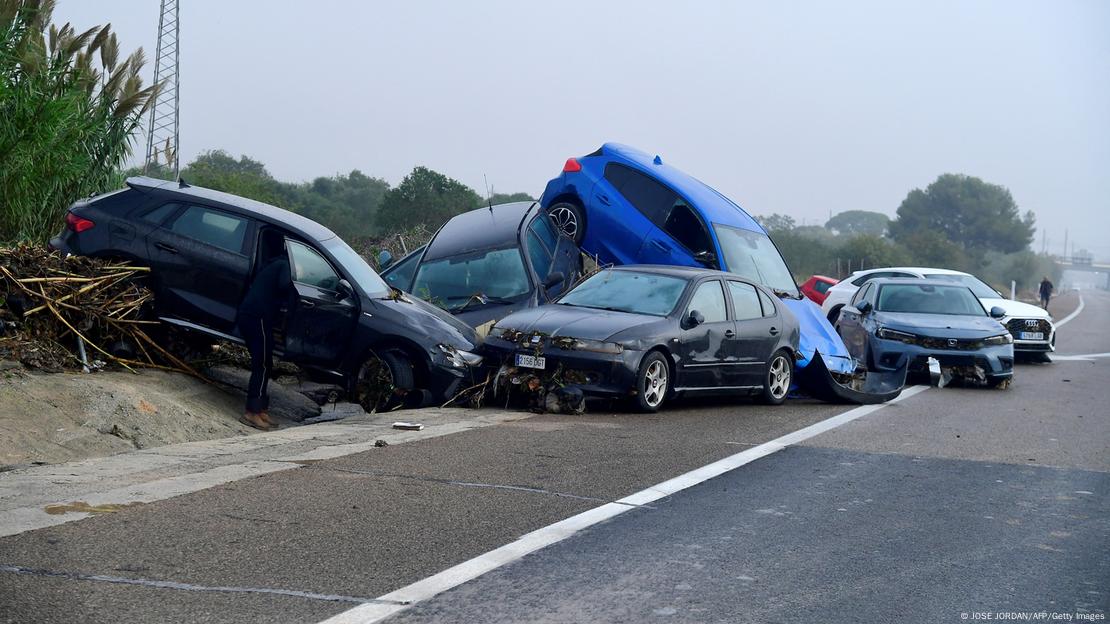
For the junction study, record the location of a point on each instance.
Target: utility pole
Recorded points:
(162, 134)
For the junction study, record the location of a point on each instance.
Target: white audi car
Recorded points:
(1031, 326)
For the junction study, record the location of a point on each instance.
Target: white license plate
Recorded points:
(1031, 336)
(530, 361)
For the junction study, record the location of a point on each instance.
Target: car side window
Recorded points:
(709, 299)
(212, 227)
(309, 267)
(686, 228)
(538, 254)
(403, 272)
(768, 305)
(863, 279)
(745, 301)
(158, 215)
(543, 229)
(651, 198)
(822, 287)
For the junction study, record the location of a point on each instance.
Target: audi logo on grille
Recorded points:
(1032, 322)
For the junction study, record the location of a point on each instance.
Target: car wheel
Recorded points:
(568, 217)
(653, 383)
(776, 381)
(384, 380)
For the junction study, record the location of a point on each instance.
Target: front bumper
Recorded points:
(888, 355)
(609, 375)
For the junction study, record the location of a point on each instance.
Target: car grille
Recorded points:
(950, 343)
(1018, 325)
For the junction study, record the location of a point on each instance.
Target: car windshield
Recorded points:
(753, 255)
(929, 299)
(628, 291)
(364, 277)
(465, 280)
(976, 285)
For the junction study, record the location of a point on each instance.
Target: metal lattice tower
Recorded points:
(161, 136)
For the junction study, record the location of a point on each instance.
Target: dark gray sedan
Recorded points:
(892, 322)
(650, 332)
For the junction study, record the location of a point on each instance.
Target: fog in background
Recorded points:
(801, 108)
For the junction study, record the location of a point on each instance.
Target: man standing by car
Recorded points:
(1046, 292)
(271, 287)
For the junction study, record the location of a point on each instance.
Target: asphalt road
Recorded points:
(952, 501)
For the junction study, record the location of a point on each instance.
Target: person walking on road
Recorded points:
(1046, 292)
(271, 288)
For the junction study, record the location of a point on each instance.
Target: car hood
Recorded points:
(425, 319)
(476, 317)
(1016, 308)
(564, 320)
(817, 334)
(940, 325)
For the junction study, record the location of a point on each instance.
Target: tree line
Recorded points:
(957, 222)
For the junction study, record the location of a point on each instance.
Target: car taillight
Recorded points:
(78, 224)
(572, 166)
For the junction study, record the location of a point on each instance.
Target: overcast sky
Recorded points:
(801, 108)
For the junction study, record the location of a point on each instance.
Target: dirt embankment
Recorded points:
(67, 416)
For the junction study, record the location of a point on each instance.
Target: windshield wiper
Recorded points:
(782, 293)
(479, 299)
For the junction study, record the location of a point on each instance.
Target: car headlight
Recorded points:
(496, 332)
(1000, 339)
(459, 358)
(893, 334)
(597, 346)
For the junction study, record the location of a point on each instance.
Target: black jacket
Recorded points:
(271, 289)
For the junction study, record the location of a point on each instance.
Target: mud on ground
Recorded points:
(68, 416)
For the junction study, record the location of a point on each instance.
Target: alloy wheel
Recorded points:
(779, 377)
(565, 219)
(655, 383)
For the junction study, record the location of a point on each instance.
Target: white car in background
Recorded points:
(1031, 326)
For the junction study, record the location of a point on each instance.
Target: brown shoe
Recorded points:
(266, 419)
(254, 420)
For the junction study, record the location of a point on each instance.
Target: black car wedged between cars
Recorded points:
(650, 332)
(203, 247)
(487, 263)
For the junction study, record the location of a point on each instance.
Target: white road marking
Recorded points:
(1086, 357)
(1074, 314)
(402, 598)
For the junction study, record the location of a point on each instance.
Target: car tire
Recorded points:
(396, 371)
(777, 378)
(653, 383)
(570, 219)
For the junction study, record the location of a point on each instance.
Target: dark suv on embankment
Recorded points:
(203, 247)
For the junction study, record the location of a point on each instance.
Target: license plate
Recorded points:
(1031, 336)
(531, 361)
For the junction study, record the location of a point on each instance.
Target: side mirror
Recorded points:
(864, 307)
(345, 290)
(554, 280)
(694, 319)
(385, 259)
(997, 312)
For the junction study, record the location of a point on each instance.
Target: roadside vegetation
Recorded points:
(70, 103)
(958, 222)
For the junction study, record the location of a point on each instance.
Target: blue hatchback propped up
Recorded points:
(626, 207)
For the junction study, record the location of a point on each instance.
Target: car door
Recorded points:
(200, 263)
(627, 203)
(322, 322)
(758, 325)
(550, 252)
(708, 352)
(680, 238)
(850, 325)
